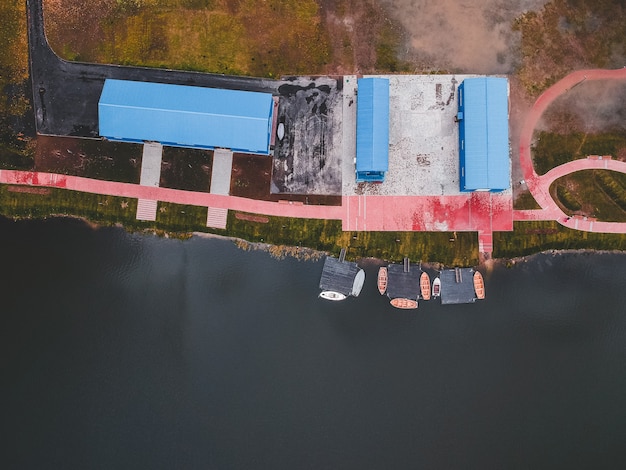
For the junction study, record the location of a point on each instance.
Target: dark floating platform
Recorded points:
(457, 286)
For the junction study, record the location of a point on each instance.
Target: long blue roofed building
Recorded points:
(186, 116)
(372, 130)
(483, 118)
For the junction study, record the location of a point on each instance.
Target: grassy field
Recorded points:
(552, 149)
(594, 193)
(239, 37)
(531, 237)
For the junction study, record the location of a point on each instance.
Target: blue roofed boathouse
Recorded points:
(372, 130)
(186, 116)
(483, 118)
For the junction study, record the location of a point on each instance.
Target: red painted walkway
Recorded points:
(472, 212)
(539, 186)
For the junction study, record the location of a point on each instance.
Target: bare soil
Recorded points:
(252, 176)
(99, 159)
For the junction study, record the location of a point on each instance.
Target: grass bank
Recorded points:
(531, 237)
(553, 149)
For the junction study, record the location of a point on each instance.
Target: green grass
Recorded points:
(597, 193)
(553, 149)
(244, 37)
(326, 235)
(528, 238)
(525, 201)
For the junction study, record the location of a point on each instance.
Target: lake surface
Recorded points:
(132, 351)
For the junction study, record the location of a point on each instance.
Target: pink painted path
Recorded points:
(472, 212)
(177, 196)
(539, 186)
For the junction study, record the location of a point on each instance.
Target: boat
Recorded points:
(403, 303)
(281, 131)
(425, 286)
(479, 285)
(382, 280)
(436, 287)
(331, 295)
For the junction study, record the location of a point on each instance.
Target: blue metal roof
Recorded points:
(484, 134)
(186, 116)
(372, 129)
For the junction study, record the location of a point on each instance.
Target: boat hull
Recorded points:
(479, 285)
(382, 280)
(404, 303)
(330, 295)
(425, 286)
(436, 287)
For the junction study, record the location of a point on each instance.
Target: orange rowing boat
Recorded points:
(425, 286)
(382, 280)
(404, 303)
(479, 285)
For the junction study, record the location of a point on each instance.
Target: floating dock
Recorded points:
(403, 283)
(457, 286)
(340, 278)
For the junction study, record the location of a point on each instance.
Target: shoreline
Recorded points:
(301, 253)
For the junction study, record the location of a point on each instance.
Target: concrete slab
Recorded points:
(151, 164)
(423, 139)
(221, 171)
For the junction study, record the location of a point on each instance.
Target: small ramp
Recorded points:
(221, 171)
(146, 209)
(216, 217)
(151, 164)
(220, 184)
(150, 176)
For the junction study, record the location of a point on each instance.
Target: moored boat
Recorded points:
(425, 286)
(382, 280)
(331, 295)
(436, 287)
(403, 303)
(479, 285)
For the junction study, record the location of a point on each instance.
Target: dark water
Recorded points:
(126, 351)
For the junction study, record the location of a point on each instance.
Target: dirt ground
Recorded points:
(251, 178)
(89, 158)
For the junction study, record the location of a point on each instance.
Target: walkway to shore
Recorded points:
(539, 186)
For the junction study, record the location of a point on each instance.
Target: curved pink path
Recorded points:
(539, 186)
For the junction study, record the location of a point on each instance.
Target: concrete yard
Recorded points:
(423, 138)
